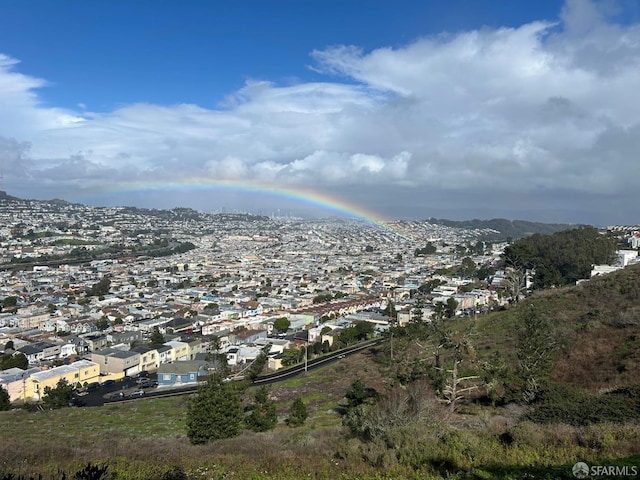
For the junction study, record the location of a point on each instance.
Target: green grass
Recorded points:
(138, 418)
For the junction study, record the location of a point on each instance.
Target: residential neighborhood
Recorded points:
(96, 319)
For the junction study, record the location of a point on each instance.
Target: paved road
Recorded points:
(103, 394)
(97, 397)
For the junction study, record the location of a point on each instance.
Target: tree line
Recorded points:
(561, 258)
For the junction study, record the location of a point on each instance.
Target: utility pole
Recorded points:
(306, 353)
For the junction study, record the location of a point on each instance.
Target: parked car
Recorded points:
(137, 393)
(108, 383)
(93, 386)
(116, 395)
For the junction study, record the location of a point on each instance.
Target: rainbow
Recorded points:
(305, 196)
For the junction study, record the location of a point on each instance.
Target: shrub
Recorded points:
(565, 404)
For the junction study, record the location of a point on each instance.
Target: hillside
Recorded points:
(505, 229)
(406, 433)
(5, 196)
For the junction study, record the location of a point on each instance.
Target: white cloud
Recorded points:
(543, 106)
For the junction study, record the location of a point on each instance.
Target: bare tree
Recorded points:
(456, 387)
(514, 282)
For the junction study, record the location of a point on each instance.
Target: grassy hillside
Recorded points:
(600, 321)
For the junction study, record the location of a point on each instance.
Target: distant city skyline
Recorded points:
(376, 109)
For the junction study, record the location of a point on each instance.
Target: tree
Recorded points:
(59, 396)
(485, 271)
(291, 356)
(258, 363)
(455, 387)
(263, 416)
(364, 329)
(281, 324)
(417, 312)
(451, 307)
(5, 400)
(359, 394)
(9, 345)
(514, 283)
(348, 336)
(428, 249)
(102, 323)
(215, 412)
(389, 415)
(537, 341)
(18, 360)
(428, 286)
(390, 310)
(299, 413)
(101, 288)
(156, 337)
(8, 302)
(467, 267)
(561, 258)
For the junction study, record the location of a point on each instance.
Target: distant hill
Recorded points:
(505, 229)
(5, 196)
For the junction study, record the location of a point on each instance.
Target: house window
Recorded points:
(166, 377)
(192, 376)
(76, 375)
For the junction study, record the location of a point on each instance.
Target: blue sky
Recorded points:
(411, 109)
(105, 54)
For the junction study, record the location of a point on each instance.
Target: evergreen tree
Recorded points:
(263, 414)
(390, 310)
(299, 413)
(359, 394)
(538, 339)
(5, 401)
(18, 360)
(156, 337)
(256, 367)
(101, 288)
(59, 396)
(281, 324)
(215, 412)
(561, 258)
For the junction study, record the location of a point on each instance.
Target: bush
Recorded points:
(299, 413)
(565, 404)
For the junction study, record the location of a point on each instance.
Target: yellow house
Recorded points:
(180, 351)
(81, 372)
(149, 358)
(16, 382)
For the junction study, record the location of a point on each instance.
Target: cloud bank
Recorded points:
(544, 116)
